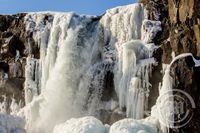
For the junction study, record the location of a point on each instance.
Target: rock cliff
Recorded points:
(181, 34)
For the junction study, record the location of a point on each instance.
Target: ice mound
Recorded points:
(132, 126)
(81, 125)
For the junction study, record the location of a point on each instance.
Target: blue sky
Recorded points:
(92, 7)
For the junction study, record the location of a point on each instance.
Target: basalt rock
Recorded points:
(14, 48)
(181, 34)
(187, 79)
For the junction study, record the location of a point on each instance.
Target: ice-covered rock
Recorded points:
(133, 126)
(76, 53)
(81, 125)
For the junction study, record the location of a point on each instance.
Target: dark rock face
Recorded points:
(187, 79)
(13, 42)
(181, 34)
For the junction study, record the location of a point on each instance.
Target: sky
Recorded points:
(90, 7)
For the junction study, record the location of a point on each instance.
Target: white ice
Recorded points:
(163, 110)
(81, 125)
(75, 54)
(133, 126)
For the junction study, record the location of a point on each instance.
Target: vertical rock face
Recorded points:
(12, 42)
(181, 34)
(15, 46)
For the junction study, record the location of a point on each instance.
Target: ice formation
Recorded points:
(66, 41)
(133, 77)
(66, 58)
(81, 125)
(164, 108)
(9, 108)
(32, 79)
(149, 30)
(76, 52)
(133, 126)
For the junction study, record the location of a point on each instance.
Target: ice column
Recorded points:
(32, 79)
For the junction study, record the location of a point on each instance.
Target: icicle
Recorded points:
(31, 81)
(134, 100)
(17, 55)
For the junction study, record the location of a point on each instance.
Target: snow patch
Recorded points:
(133, 126)
(81, 125)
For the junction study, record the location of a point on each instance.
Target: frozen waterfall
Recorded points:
(67, 57)
(76, 52)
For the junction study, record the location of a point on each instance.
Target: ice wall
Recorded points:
(81, 125)
(129, 33)
(66, 57)
(76, 52)
(133, 126)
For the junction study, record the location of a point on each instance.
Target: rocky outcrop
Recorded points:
(181, 34)
(14, 48)
(187, 77)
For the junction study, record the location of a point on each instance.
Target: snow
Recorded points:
(179, 57)
(150, 29)
(90, 125)
(133, 126)
(81, 125)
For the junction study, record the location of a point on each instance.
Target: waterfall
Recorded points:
(81, 60)
(66, 58)
(76, 53)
